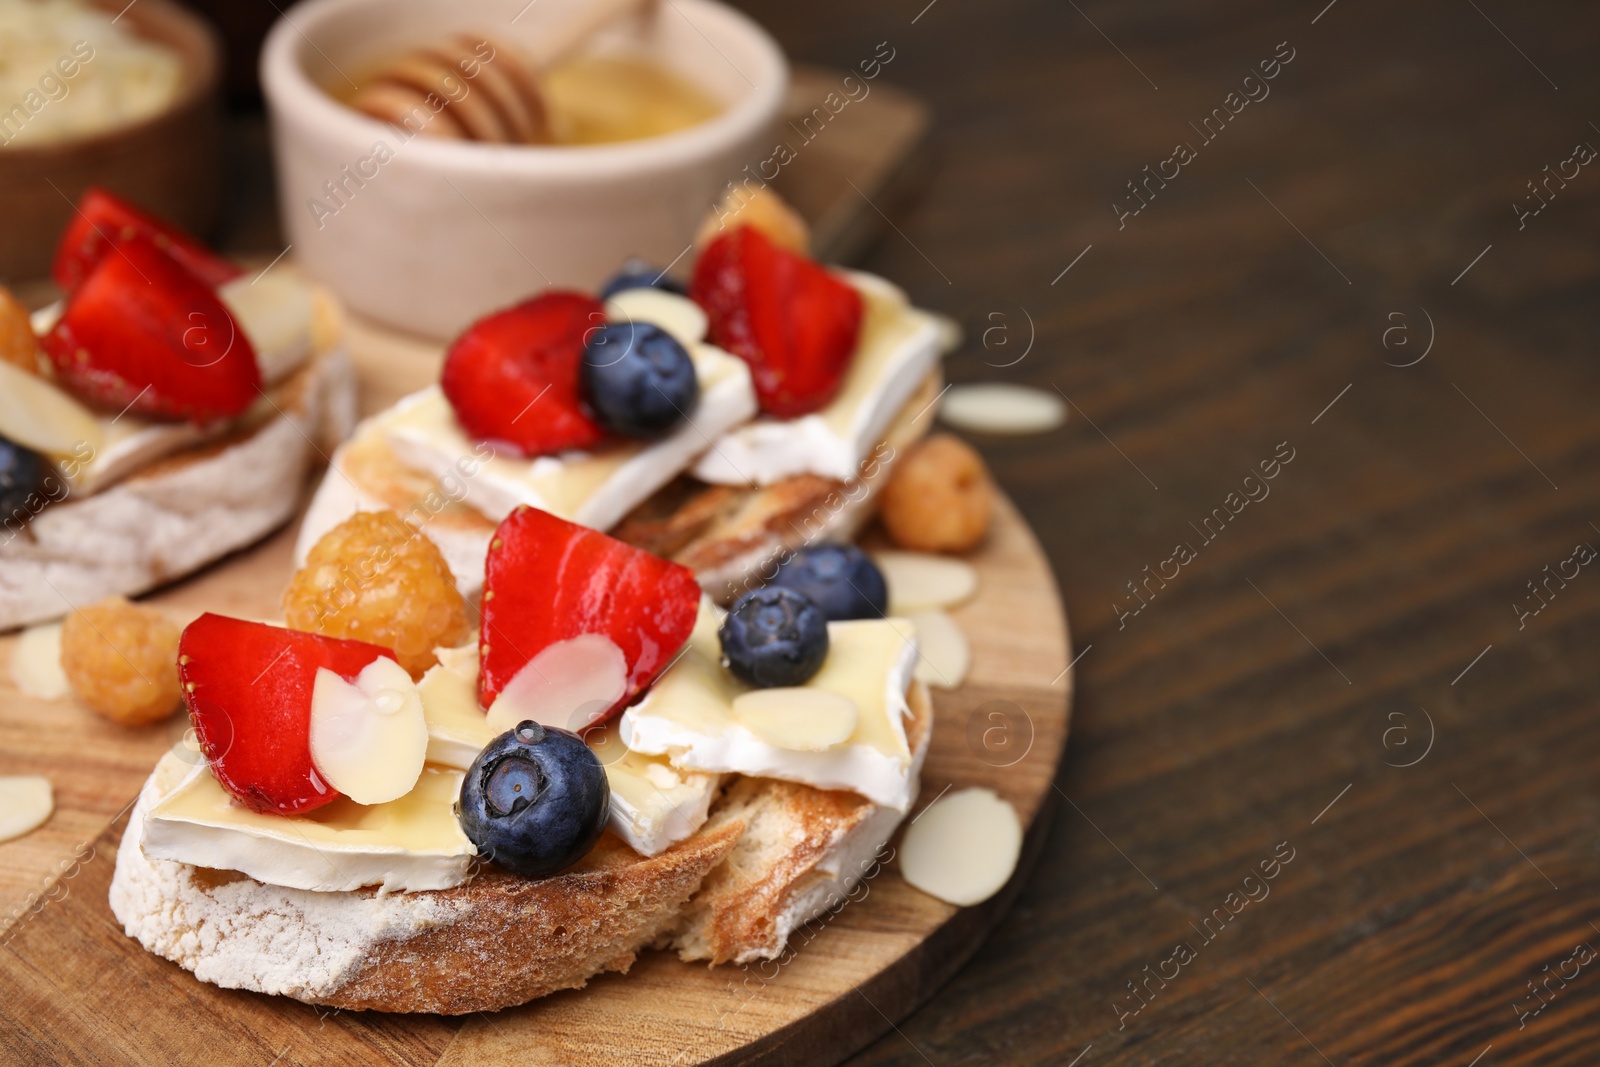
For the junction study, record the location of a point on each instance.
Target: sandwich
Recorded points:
(607, 762)
(578, 661)
(809, 385)
(164, 413)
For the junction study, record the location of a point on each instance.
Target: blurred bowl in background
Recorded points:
(166, 163)
(426, 233)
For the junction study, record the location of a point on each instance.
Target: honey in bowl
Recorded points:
(473, 88)
(603, 99)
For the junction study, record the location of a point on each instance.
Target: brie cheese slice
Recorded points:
(593, 488)
(278, 315)
(653, 805)
(689, 714)
(899, 345)
(458, 727)
(407, 844)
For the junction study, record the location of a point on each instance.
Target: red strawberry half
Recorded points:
(513, 377)
(102, 219)
(548, 580)
(142, 331)
(248, 689)
(793, 322)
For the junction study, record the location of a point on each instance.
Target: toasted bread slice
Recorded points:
(773, 856)
(365, 475)
(497, 941)
(803, 851)
(727, 535)
(182, 512)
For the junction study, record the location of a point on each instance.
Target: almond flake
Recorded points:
(368, 738)
(36, 662)
(798, 718)
(25, 803)
(568, 685)
(37, 415)
(945, 653)
(1002, 408)
(678, 315)
(921, 581)
(963, 847)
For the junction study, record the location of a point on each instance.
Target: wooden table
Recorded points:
(1366, 606)
(1333, 682)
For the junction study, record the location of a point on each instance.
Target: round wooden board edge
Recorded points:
(892, 995)
(901, 987)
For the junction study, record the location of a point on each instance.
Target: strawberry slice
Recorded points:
(141, 332)
(795, 324)
(102, 219)
(548, 580)
(248, 687)
(512, 377)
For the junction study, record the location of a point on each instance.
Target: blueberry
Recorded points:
(22, 478)
(638, 379)
(535, 800)
(637, 274)
(841, 580)
(773, 637)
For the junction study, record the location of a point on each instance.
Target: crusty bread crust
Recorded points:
(365, 475)
(182, 512)
(514, 939)
(773, 856)
(802, 852)
(497, 941)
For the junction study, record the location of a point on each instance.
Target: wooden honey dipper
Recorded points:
(475, 88)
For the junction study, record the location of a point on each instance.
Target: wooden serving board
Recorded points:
(74, 989)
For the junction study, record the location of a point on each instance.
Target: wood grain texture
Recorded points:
(76, 990)
(1207, 729)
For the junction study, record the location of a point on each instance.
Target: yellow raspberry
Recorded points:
(939, 497)
(121, 660)
(759, 207)
(376, 578)
(18, 346)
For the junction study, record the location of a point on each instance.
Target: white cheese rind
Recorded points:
(899, 346)
(653, 806)
(592, 489)
(198, 824)
(276, 316)
(882, 776)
